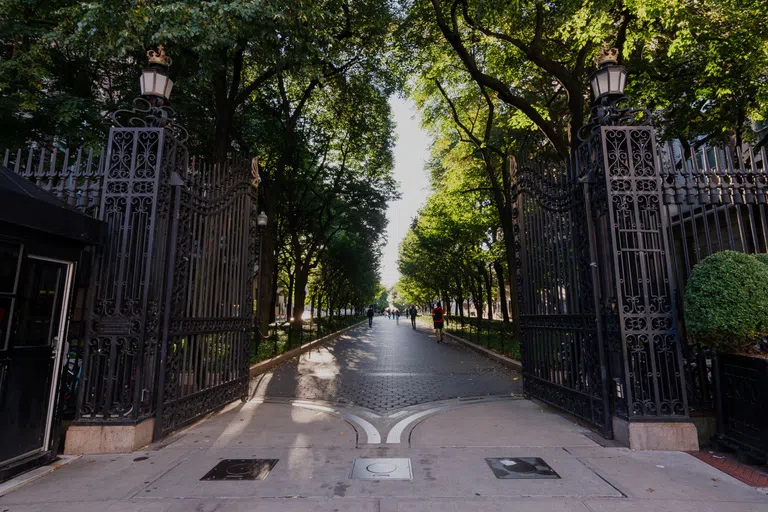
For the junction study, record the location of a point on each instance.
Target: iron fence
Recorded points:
(75, 177)
(162, 314)
(715, 199)
(494, 335)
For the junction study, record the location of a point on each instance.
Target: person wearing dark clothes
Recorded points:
(412, 314)
(370, 316)
(438, 318)
(397, 316)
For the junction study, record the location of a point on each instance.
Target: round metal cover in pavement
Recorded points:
(382, 467)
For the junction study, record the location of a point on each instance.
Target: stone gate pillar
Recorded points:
(650, 409)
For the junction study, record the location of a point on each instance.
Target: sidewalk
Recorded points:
(447, 442)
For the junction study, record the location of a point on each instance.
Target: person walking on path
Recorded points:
(438, 318)
(397, 316)
(370, 316)
(412, 313)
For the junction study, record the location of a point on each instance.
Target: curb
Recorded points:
(268, 364)
(504, 360)
(30, 476)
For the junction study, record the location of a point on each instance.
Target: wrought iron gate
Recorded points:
(561, 341)
(209, 293)
(166, 329)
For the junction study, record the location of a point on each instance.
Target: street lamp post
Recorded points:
(261, 220)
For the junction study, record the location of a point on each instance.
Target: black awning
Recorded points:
(22, 203)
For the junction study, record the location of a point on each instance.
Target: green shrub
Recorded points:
(762, 258)
(726, 302)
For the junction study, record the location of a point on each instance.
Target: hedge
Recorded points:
(726, 301)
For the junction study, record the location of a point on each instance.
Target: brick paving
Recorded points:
(388, 367)
(751, 475)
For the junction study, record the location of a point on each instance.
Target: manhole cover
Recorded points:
(241, 469)
(521, 467)
(382, 469)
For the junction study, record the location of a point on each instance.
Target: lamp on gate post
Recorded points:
(261, 220)
(154, 81)
(608, 81)
(150, 109)
(609, 105)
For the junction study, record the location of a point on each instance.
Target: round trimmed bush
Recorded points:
(762, 258)
(726, 302)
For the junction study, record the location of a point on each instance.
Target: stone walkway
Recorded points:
(388, 367)
(390, 393)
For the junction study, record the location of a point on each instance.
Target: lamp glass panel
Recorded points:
(615, 80)
(159, 89)
(593, 84)
(602, 82)
(168, 87)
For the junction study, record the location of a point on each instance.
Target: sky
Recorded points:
(411, 153)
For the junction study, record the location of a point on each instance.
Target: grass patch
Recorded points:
(492, 334)
(283, 338)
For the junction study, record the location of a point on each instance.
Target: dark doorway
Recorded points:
(33, 302)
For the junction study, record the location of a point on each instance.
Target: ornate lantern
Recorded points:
(609, 79)
(154, 80)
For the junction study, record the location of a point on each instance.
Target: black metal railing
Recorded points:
(715, 200)
(495, 335)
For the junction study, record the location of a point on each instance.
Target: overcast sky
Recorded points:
(411, 152)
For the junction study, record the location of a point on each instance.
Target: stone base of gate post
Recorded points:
(656, 435)
(95, 439)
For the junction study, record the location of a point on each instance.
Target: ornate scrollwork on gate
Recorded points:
(652, 383)
(124, 320)
(210, 303)
(560, 349)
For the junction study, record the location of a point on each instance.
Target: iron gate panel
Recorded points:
(124, 311)
(209, 303)
(637, 289)
(561, 344)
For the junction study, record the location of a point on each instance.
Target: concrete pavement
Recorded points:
(317, 433)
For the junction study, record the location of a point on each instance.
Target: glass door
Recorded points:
(34, 330)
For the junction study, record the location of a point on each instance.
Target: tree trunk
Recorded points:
(312, 306)
(300, 293)
(289, 310)
(225, 114)
(488, 291)
(478, 299)
(499, 269)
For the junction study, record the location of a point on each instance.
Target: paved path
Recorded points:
(317, 442)
(388, 367)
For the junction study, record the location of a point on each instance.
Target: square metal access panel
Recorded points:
(382, 469)
(521, 467)
(241, 469)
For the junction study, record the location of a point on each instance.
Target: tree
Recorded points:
(446, 253)
(701, 62)
(341, 179)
